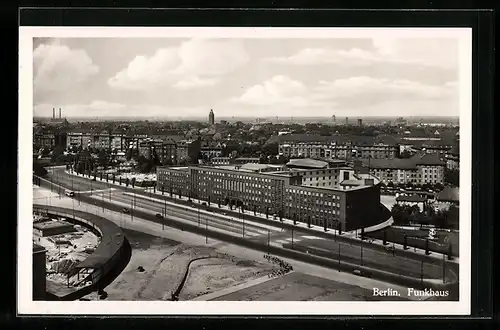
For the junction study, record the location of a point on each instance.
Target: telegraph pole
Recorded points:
(131, 211)
(199, 220)
(361, 255)
(422, 273)
(444, 269)
(268, 240)
(292, 236)
(339, 257)
(206, 230)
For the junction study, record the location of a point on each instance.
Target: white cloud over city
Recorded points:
(57, 68)
(246, 77)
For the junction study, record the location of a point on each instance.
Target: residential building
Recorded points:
(44, 138)
(277, 193)
(188, 150)
(336, 146)
(420, 169)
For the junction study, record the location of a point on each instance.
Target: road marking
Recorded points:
(97, 191)
(311, 237)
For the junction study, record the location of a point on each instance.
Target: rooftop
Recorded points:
(448, 194)
(411, 199)
(307, 162)
(406, 163)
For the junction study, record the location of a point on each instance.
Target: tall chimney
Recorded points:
(53, 113)
(59, 113)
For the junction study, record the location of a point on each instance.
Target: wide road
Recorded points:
(274, 235)
(303, 241)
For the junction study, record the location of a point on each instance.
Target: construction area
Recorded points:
(161, 269)
(66, 246)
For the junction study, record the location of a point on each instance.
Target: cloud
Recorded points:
(194, 82)
(201, 60)
(441, 53)
(57, 67)
(279, 90)
(101, 108)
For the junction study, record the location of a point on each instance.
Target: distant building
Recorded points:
(360, 122)
(211, 117)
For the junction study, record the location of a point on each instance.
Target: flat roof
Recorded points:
(254, 167)
(112, 237)
(307, 162)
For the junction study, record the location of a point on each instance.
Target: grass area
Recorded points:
(303, 287)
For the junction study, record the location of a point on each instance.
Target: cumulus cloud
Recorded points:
(275, 91)
(368, 87)
(359, 94)
(201, 60)
(429, 52)
(194, 82)
(57, 67)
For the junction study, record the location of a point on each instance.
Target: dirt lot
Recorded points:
(165, 263)
(211, 275)
(303, 287)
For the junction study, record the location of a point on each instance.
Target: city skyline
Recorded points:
(182, 77)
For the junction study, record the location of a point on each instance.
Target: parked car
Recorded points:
(159, 216)
(204, 204)
(70, 193)
(125, 210)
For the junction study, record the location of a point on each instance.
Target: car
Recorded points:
(204, 204)
(70, 193)
(159, 216)
(125, 210)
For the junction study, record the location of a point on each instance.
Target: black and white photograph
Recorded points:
(245, 171)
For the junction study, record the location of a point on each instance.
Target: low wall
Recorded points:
(118, 252)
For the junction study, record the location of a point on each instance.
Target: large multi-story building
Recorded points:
(345, 147)
(188, 150)
(422, 168)
(44, 138)
(282, 192)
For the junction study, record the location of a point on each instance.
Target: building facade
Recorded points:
(421, 169)
(342, 147)
(279, 193)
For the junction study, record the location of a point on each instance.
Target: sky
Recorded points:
(246, 77)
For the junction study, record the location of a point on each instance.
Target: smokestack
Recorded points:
(59, 113)
(53, 113)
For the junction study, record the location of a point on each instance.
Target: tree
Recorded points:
(57, 153)
(39, 170)
(452, 177)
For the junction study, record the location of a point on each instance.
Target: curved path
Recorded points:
(176, 294)
(109, 258)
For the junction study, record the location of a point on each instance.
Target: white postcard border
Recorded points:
(25, 194)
